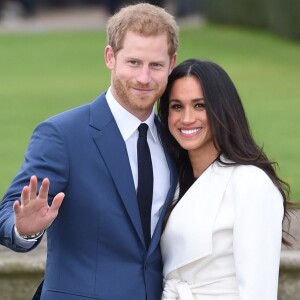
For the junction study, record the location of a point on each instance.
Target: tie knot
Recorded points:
(143, 128)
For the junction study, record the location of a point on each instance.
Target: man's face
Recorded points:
(140, 72)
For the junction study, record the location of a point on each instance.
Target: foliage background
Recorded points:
(44, 74)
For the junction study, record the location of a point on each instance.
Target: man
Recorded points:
(97, 243)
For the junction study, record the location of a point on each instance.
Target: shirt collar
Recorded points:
(127, 122)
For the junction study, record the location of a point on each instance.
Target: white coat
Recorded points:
(223, 238)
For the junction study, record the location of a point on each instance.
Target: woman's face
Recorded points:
(187, 115)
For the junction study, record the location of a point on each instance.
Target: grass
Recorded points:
(44, 74)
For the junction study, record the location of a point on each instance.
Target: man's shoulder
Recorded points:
(76, 114)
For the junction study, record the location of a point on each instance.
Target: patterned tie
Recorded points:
(145, 182)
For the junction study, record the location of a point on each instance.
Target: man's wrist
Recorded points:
(30, 236)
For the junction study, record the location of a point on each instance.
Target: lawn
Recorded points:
(44, 74)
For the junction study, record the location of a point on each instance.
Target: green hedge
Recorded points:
(284, 17)
(280, 16)
(241, 12)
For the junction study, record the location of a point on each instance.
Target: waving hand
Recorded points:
(33, 214)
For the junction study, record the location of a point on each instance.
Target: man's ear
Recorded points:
(109, 57)
(172, 62)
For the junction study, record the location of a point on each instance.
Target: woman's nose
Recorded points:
(188, 116)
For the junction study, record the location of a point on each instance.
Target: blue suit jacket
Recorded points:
(96, 248)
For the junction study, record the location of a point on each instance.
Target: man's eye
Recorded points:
(156, 65)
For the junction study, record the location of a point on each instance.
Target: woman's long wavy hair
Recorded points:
(228, 123)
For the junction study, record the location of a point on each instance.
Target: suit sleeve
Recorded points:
(46, 156)
(257, 234)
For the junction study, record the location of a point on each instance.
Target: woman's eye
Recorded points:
(175, 106)
(200, 105)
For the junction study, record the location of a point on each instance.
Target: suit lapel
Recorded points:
(173, 183)
(157, 232)
(114, 153)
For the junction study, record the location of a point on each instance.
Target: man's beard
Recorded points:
(130, 100)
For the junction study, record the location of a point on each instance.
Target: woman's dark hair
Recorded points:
(228, 123)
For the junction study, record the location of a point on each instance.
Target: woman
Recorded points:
(222, 239)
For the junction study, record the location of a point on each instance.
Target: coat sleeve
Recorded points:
(46, 156)
(257, 233)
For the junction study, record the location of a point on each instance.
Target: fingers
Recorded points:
(25, 195)
(16, 207)
(32, 187)
(30, 192)
(44, 189)
(57, 201)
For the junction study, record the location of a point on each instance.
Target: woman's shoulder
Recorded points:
(251, 188)
(247, 173)
(250, 172)
(251, 180)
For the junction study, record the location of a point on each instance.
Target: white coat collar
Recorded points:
(198, 206)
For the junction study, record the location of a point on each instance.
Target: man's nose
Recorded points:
(144, 76)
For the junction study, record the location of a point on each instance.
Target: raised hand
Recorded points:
(33, 214)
